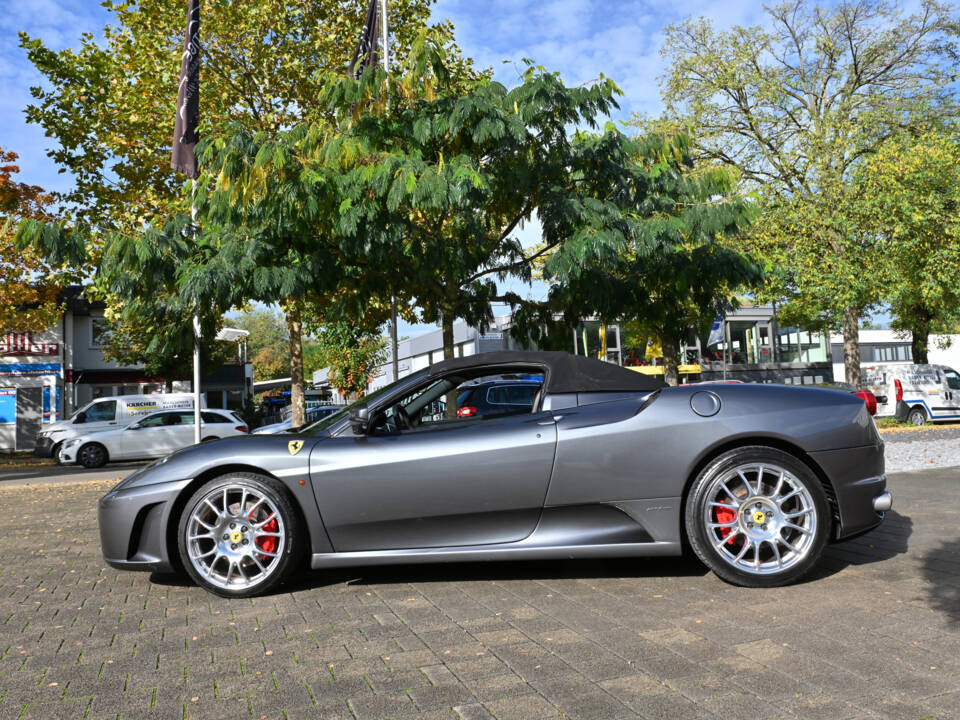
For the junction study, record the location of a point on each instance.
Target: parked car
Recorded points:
(107, 413)
(313, 414)
(755, 479)
(915, 393)
(153, 436)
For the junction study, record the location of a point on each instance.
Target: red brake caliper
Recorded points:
(723, 515)
(267, 544)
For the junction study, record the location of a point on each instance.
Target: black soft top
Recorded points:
(566, 373)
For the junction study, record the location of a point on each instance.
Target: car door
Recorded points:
(139, 439)
(462, 483)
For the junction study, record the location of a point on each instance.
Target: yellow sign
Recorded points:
(294, 446)
(236, 536)
(759, 517)
(658, 369)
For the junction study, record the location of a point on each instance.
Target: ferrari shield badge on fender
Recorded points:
(294, 446)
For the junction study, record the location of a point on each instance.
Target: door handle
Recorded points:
(552, 421)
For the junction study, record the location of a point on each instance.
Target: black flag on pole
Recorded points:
(183, 159)
(366, 53)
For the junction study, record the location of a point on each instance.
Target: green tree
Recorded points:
(29, 284)
(435, 189)
(268, 345)
(676, 268)
(110, 104)
(351, 353)
(909, 196)
(794, 106)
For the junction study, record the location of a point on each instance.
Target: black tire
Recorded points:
(92, 455)
(55, 453)
(292, 546)
(777, 474)
(917, 416)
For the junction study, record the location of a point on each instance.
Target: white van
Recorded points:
(108, 413)
(915, 393)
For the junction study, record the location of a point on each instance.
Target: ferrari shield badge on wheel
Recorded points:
(514, 455)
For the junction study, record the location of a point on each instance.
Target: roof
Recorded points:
(566, 373)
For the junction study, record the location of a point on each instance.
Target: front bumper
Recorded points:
(67, 455)
(44, 447)
(133, 526)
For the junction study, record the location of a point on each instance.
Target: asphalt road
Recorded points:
(873, 633)
(46, 473)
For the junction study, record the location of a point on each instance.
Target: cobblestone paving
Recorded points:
(875, 634)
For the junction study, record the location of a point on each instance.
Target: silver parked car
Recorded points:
(605, 462)
(149, 437)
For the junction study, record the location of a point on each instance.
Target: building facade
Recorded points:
(46, 376)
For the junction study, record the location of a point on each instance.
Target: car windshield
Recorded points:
(335, 417)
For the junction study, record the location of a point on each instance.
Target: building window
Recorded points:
(101, 331)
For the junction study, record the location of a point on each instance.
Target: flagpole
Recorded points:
(196, 331)
(394, 338)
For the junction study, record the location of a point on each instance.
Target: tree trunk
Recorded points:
(168, 385)
(446, 322)
(671, 373)
(920, 331)
(851, 345)
(292, 313)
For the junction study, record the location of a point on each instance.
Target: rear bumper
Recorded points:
(133, 526)
(859, 487)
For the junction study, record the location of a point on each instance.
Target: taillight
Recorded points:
(899, 387)
(870, 399)
(466, 411)
(241, 428)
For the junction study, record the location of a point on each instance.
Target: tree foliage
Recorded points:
(351, 354)
(677, 266)
(794, 106)
(29, 284)
(909, 197)
(110, 104)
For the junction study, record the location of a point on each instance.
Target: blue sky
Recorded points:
(581, 39)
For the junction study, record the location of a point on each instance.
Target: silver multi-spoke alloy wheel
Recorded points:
(235, 537)
(758, 517)
(761, 518)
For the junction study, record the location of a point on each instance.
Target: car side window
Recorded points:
(183, 418)
(477, 398)
(153, 420)
(953, 380)
(102, 411)
(209, 417)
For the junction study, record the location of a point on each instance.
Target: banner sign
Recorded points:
(30, 369)
(14, 344)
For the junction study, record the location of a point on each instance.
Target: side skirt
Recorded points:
(492, 553)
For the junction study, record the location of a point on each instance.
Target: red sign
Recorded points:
(21, 344)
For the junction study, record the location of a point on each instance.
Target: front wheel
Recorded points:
(239, 535)
(92, 455)
(758, 517)
(917, 416)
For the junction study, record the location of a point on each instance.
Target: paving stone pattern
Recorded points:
(875, 634)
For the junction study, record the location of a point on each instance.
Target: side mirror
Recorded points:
(359, 419)
(81, 418)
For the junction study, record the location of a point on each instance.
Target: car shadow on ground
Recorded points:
(941, 568)
(882, 543)
(640, 567)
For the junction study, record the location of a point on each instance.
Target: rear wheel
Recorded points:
(758, 517)
(917, 416)
(92, 455)
(239, 535)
